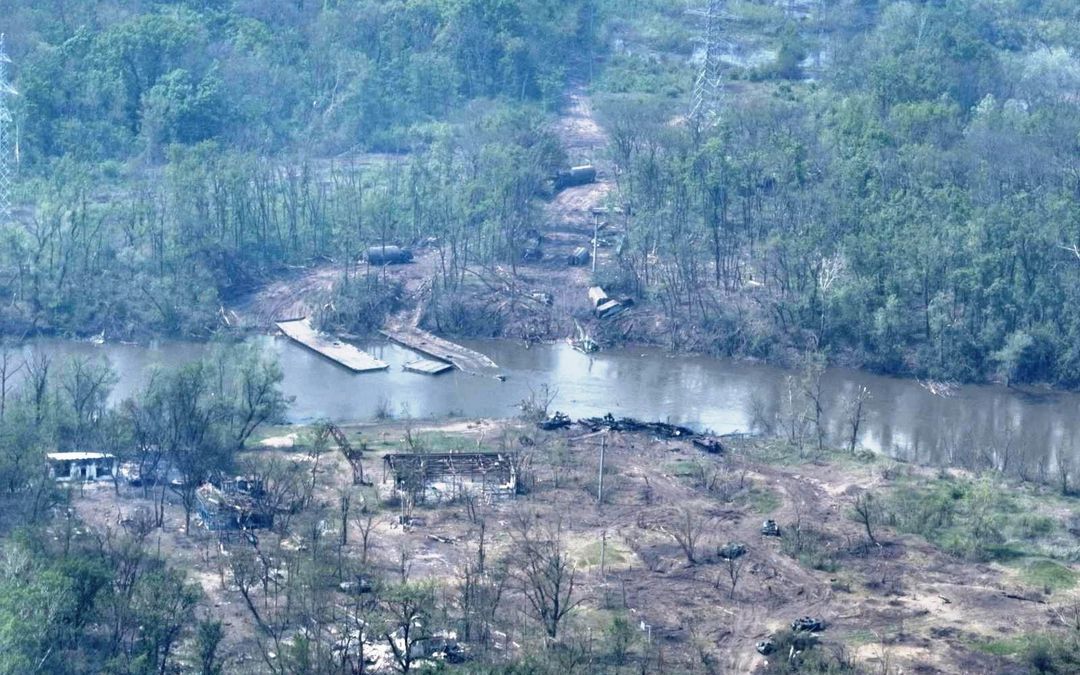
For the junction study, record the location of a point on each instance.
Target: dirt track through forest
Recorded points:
(568, 224)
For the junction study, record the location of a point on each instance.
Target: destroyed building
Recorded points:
(74, 466)
(436, 477)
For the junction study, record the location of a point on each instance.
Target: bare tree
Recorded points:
(1064, 470)
(734, 570)
(865, 509)
(365, 523)
(687, 529)
(811, 385)
(855, 413)
(546, 572)
(37, 374)
(86, 384)
(481, 590)
(8, 370)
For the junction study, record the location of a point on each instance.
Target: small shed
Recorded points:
(71, 466)
(388, 255)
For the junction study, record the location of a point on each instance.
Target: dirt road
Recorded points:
(568, 223)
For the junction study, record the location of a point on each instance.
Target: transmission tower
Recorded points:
(709, 86)
(7, 145)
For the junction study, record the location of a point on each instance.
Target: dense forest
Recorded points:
(906, 192)
(894, 183)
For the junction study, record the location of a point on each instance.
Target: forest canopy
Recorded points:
(109, 80)
(893, 183)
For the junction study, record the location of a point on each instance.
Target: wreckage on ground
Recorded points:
(605, 306)
(579, 257)
(731, 551)
(234, 505)
(770, 529)
(559, 420)
(807, 624)
(629, 424)
(574, 176)
(582, 341)
(388, 255)
(664, 430)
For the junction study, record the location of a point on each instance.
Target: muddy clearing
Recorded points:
(902, 603)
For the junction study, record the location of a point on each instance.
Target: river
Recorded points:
(973, 426)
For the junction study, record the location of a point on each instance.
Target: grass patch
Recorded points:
(683, 468)
(1048, 574)
(974, 519)
(1005, 647)
(588, 555)
(438, 441)
(761, 500)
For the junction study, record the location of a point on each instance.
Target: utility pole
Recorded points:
(595, 240)
(7, 126)
(708, 88)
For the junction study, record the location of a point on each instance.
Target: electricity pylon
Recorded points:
(7, 144)
(709, 86)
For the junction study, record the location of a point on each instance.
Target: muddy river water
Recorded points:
(902, 418)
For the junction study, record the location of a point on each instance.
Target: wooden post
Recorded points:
(603, 552)
(595, 237)
(600, 485)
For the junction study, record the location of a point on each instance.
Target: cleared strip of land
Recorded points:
(302, 332)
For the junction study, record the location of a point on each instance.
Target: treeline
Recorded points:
(167, 251)
(915, 208)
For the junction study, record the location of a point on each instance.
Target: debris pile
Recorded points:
(605, 306)
(731, 551)
(711, 446)
(579, 257)
(807, 624)
(629, 424)
(663, 430)
(559, 420)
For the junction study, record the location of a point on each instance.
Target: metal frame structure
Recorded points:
(7, 140)
(709, 85)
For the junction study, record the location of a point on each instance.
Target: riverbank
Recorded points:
(651, 589)
(971, 427)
